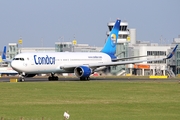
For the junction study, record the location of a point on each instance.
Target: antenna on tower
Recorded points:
(160, 40)
(165, 42)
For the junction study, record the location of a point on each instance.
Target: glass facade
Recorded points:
(62, 47)
(121, 52)
(178, 61)
(12, 50)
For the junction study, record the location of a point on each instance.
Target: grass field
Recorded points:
(90, 100)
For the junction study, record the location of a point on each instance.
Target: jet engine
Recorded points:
(82, 71)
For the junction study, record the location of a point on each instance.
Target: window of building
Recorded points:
(114, 67)
(125, 36)
(156, 53)
(110, 28)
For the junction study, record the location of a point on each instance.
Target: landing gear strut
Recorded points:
(52, 77)
(22, 77)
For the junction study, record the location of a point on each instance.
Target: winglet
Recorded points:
(172, 53)
(4, 53)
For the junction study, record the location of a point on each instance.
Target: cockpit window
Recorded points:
(16, 59)
(22, 59)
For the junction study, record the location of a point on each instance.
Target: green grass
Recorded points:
(89, 100)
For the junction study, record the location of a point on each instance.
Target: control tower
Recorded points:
(122, 46)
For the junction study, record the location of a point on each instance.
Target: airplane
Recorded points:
(7, 71)
(4, 68)
(82, 64)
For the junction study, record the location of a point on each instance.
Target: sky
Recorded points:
(41, 23)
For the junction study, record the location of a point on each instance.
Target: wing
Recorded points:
(7, 61)
(96, 65)
(114, 60)
(8, 72)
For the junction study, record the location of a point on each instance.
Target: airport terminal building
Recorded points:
(127, 46)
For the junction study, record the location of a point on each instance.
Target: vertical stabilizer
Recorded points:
(4, 53)
(110, 45)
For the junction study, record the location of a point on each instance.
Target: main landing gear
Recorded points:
(52, 77)
(84, 78)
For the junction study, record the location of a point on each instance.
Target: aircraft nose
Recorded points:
(14, 65)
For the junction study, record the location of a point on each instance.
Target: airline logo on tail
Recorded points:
(113, 40)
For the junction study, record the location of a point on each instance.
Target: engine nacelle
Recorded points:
(82, 71)
(30, 75)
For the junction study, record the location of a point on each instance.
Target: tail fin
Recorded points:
(110, 45)
(4, 56)
(172, 53)
(4, 53)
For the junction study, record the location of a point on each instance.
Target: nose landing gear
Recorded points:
(22, 77)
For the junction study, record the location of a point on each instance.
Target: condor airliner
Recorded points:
(80, 63)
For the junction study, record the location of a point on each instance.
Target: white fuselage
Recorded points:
(54, 62)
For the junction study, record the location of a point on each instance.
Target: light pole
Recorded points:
(20, 41)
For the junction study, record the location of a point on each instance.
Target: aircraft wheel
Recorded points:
(56, 78)
(21, 79)
(49, 78)
(84, 78)
(53, 78)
